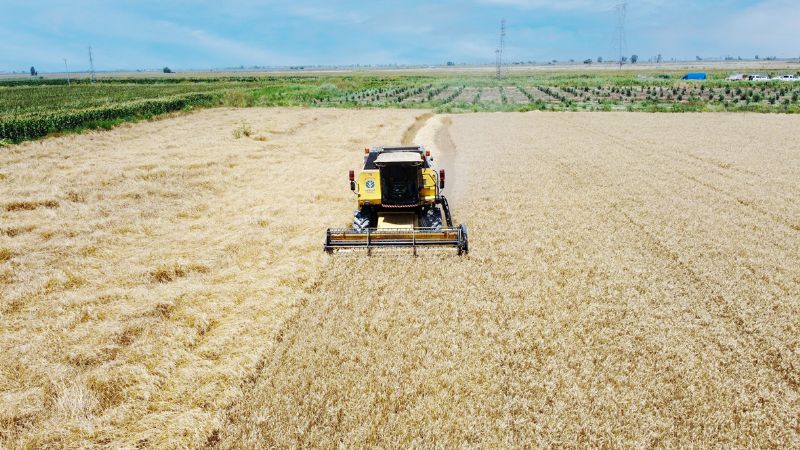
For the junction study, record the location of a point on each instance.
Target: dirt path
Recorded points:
(435, 135)
(410, 135)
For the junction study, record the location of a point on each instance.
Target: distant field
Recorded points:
(33, 108)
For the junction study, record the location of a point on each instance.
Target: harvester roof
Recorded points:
(398, 158)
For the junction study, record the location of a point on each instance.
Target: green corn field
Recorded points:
(31, 109)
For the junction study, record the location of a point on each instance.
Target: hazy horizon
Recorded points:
(186, 35)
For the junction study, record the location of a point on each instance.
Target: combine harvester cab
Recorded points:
(399, 205)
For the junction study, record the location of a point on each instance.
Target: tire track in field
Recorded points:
(780, 244)
(641, 145)
(267, 360)
(410, 135)
(435, 136)
(457, 179)
(662, 250)
(748, 206)
(768, 354)
(752, 349)
(515, 359)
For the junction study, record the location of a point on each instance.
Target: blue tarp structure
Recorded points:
(694, 76)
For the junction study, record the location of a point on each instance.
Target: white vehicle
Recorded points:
(737, 77)
(759, 78)
(787, 78)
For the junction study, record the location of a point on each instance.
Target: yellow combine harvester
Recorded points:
(399, 204)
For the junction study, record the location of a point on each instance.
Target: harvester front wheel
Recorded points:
(463, 244)
(360, 221)
(431, 218)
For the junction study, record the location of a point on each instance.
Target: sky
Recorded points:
(182, 34)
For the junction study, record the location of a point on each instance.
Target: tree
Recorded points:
(599, 59)
(33, 72)
(587, 61)
(659, 58)
(634, 59)
(624, 59)
(698, 58)
(167, 70)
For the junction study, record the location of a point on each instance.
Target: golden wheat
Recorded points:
(145, 270)
(634, 280)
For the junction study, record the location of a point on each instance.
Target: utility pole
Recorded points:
(91, 65)
(621, 9)
(499, 52)
(67, 70)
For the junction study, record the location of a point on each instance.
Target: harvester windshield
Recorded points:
(400, 185)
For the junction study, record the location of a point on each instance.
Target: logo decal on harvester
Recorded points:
(370, 184)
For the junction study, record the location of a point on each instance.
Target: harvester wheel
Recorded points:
(360, 221)
(431, 218)
(463, 247)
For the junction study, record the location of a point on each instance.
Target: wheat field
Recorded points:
(633, 281)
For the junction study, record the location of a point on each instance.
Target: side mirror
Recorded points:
(352, 185)
(441, 179)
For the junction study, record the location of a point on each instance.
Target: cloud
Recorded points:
(204, 34)
(210, 43)
(771, 27)
(128, 38)
(326, 14)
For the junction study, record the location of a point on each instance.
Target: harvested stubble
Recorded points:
(634, 280)
(145, 271)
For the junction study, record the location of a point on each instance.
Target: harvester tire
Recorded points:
(360, 221)
(431, 218)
